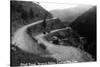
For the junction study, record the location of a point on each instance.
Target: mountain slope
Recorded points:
(70, 14)
(25, 12)
(85, 25)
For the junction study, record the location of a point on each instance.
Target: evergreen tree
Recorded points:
(31, 13)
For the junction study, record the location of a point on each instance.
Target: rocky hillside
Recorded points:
(23, 13)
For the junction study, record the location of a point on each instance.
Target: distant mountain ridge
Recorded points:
(70, 14)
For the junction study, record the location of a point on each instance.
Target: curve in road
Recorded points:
(61, 53)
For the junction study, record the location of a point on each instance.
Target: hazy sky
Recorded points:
(62, 4)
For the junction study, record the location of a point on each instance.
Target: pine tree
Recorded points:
(31, 13)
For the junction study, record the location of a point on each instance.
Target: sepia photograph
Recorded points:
(45, 32)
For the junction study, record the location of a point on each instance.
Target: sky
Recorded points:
(62, 4)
